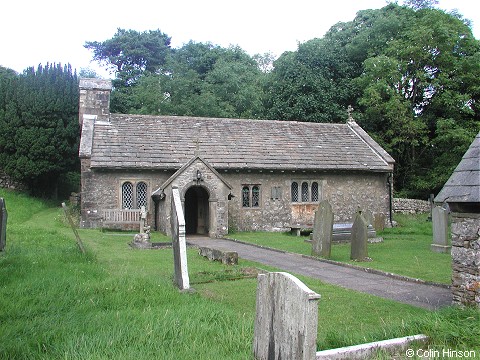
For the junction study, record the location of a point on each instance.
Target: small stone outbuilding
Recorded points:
(462, 193)
(232, 174)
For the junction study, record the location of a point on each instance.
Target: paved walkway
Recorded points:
(417, 294)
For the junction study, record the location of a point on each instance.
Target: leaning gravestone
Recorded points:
(3, 224)
(177, 221)
(440, 230)
(359, 250)
(322, 230)
(286, 318)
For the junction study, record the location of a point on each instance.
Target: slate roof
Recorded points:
(168, 142)
(463, 186)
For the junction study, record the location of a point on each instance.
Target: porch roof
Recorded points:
(463, 186)
(168, 142)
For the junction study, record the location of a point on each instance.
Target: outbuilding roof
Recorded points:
(168, 142)
(463, 186)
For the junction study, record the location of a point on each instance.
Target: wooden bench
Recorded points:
(297, 228)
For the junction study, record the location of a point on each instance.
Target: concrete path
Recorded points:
(417, 294)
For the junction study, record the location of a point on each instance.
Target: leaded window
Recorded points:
(141, 195)
(251, 196)
(255, 196)
(304, 192)
(134, 195)
(314, 191)
(127, 195)
(294, 191)
(246, 196)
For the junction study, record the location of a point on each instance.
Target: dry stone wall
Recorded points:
(6, 182)
(410, 206)
(466, 259)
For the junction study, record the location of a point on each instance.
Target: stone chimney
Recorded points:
(94, 99)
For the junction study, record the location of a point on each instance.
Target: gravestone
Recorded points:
(322, 230)
(440, 230)
(177, 222)
(142, 240)
(286, 318)
(359, 241)
(368, 215)
(379, 222)
(3, 224)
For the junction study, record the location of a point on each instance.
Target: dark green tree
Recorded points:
(130, 54)
(39, 129)
(420, 99)
(311, 84)
(202, 80)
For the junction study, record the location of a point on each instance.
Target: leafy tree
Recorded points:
(130, 54)
(202, 80)
(425, 77)
(311, 84)
(39, 126)
(420, 4)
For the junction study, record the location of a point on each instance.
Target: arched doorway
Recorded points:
(196, 210)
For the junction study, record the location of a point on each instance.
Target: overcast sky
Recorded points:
(34, 32)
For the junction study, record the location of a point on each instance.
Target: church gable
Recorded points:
(198, 172)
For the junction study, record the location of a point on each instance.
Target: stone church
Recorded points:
(232, 174)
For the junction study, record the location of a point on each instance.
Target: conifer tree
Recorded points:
(39, 129)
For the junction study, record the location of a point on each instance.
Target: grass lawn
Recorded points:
(119, 303)
(405, 250)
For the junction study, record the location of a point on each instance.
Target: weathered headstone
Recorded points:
(322, 230)
(3, 224)
(359, 250)
(379, 222)
(440, 230)
(286, 318)
(177, 222)
(368, 215)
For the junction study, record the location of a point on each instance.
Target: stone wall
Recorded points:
(276, 212)
(410, 206)
(345, 192)
(6, 182)
(466, 258)
(102, 190)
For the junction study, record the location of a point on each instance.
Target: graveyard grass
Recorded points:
(405, 250)
(119, 303)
